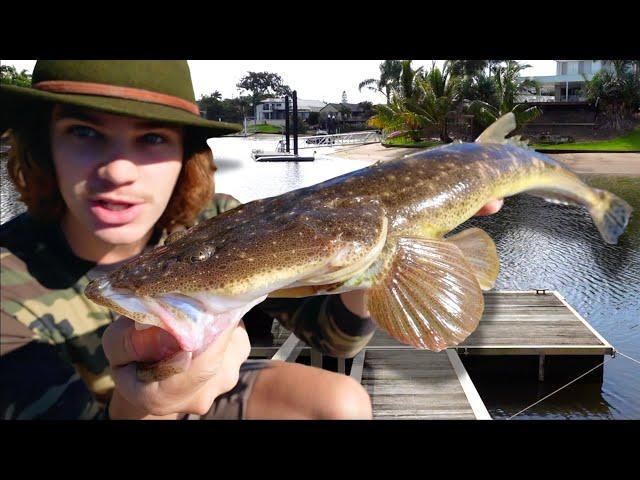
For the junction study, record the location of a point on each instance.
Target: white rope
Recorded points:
(561, 388)
(627, 356)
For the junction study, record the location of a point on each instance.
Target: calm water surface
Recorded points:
(541, 245)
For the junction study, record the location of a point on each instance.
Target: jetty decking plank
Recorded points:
(405, 384)
(534, 323)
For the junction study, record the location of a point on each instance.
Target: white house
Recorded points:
(566, 85)
(272, 110)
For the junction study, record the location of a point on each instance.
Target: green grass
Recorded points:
(628, 143)
(262, 128)
(404, 142)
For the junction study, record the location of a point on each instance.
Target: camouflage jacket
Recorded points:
(51, 360)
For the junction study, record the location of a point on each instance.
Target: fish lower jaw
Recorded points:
(195, 321)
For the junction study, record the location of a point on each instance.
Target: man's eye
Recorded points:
(153, 138)
(83, 131)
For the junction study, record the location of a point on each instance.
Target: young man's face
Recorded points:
(116, 174)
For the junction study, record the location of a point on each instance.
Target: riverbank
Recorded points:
(586, 163)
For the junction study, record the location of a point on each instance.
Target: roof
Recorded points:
(302, 103)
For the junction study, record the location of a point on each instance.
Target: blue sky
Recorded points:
(313, 79)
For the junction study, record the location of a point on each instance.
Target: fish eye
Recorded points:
(198, 254)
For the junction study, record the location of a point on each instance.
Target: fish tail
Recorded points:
(611, 215)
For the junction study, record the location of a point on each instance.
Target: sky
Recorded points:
(323, 80)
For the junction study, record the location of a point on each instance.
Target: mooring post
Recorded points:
(541, 367)
(295, 123)
(286, 121)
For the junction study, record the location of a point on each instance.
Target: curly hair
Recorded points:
(31, 169)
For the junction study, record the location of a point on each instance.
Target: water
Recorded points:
(541, 245)
(247, 180)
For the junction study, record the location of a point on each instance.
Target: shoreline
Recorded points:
(601, 163)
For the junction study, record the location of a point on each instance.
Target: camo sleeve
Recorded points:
(38, 379)
(323, 322)
(35, 382)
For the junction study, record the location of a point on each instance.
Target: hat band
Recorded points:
(87, 88)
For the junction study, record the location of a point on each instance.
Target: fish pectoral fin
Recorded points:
(429, 297)
(479, 250)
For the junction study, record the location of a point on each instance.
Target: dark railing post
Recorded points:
(295, 122)
(286, 121)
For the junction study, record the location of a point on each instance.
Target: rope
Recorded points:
(575, 380)
(627, 356)
(561, 388)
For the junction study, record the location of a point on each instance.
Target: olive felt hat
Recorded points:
(159, 90)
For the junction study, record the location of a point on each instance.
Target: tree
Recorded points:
(263, 85)
(505, 99)
(390, 71)
(422, 99)
(10, 76)
(616, 92)
(467, 68)
(227, 110)
(366, 108)
(438, 92)
(313, 118)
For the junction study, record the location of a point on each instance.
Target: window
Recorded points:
(563, 68)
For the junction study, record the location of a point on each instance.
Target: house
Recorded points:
(566, 85)
(272, 110)
(352, 114)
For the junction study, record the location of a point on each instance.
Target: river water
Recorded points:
(540, 245)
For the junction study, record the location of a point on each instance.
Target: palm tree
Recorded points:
(439, 92)
(507, 88)
(616, 92)
(390, 71)
(395, 119)
(467, 68)
(422, 99)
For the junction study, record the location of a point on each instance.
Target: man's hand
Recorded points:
(490, 208)
(355, 300)
(205, 377)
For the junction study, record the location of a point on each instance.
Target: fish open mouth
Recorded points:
(193, 320)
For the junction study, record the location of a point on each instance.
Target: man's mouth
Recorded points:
(112, 212)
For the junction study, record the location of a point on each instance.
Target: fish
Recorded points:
(384, 228)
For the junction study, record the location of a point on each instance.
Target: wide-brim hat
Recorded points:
(157, 90)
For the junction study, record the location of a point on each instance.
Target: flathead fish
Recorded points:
(382, 228)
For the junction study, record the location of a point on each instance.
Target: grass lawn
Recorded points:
(262, 128)
(628, 143)
(404, 142)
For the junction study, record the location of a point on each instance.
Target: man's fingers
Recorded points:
(490, 208)
(208, 363)
(124, 344)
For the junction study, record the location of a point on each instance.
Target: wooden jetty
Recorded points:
(406, 383)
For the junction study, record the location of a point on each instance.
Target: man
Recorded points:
(110, 157)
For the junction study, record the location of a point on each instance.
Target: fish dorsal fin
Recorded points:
(480, 252)
(429, 297)
(497, 132)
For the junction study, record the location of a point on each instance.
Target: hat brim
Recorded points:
(15, 99)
